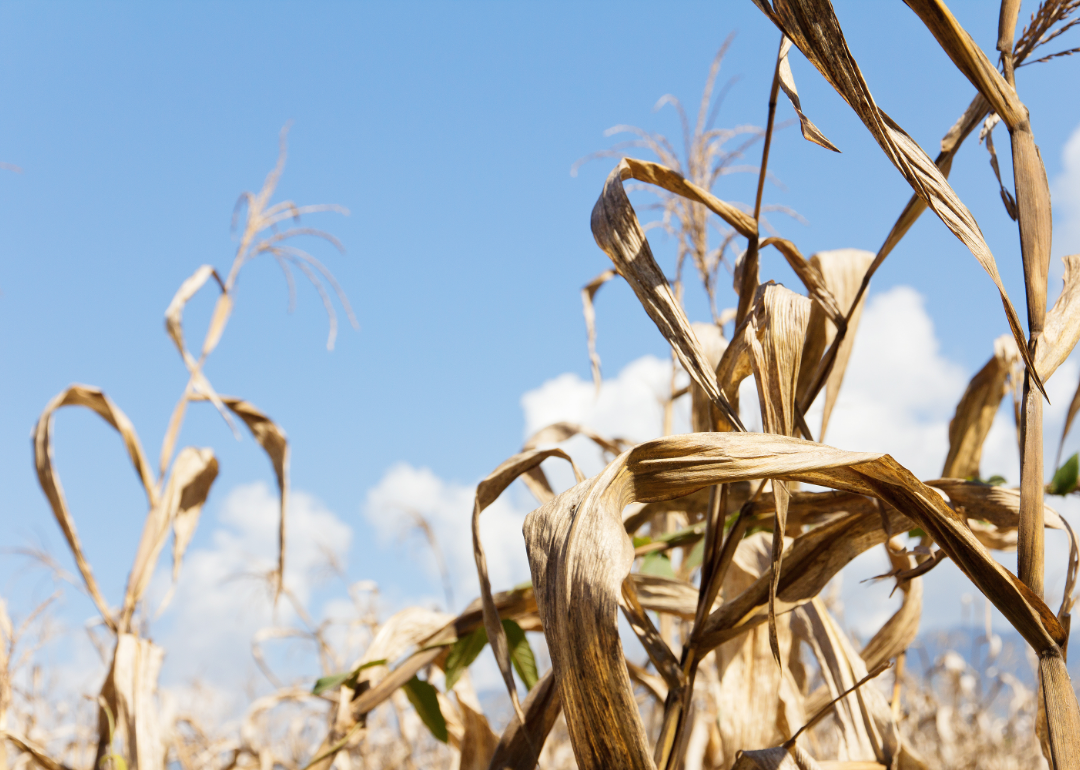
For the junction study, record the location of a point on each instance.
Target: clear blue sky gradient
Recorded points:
(448, 130)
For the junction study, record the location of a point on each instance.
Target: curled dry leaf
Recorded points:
(197, 383)
(975, 412)
(579, 555)
(810, 132)
(98, 402)
(487, 492)
(535, 478)
(272, 439)
(618, 232)
(193, 473)
(1062, 327)
(703, 415)
(814, 29)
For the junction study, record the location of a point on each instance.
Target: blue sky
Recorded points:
(448, 130)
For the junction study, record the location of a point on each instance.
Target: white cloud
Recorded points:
(447, 506)
(899, 392)
(221, 601)
(1066, 199)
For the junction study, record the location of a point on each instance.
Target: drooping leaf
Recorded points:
(425, 700)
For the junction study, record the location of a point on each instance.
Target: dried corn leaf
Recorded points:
(478, 741)
(1062, 327)
(39, 753)
(519, 748)
(842, 271)
(94, 399)
(781, 317)
(970, 59)
(810, 132)
(130, 693)
(174, 326)
(665, 662)
(901, 628)
(703, 415)
(975, 413)
(272, 439)
(865, 731)
(535, 478)
(618, 232)
(813, 27)
(672, 181)
(193, 474)
(761, 704)
(588, 294)
(811, 278)
(987, 135)
(487, 492)
(998, 505)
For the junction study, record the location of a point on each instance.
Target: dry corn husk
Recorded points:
(580, 555)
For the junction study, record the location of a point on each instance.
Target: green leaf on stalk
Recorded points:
(1064, 480)
(657, 563)
(521, 654)
(425, 700)
(462, 655)
(333, 681)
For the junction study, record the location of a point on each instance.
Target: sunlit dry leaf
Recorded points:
(272, 439)
(487, 492)
(518, 748)
(94, 399)
(810, 132)
(193, 473)
(1062, 328)
(813, 27)
(588, 293)
(618, 232)
(975, 412)
(842, 271)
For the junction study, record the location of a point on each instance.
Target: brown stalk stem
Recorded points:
(750, 262)
(1030, 539)
(1010, 9)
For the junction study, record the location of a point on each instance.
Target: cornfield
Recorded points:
(713, 548)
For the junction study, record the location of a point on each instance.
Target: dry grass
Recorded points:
(707, 543)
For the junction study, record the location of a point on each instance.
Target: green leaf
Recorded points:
(462, 655)
(1064, 480)
(521, 654)
(996, 480)
(657, 564)
(683, 536)
(640, 540)
(693, 561)
(915, 532)
(333, 681)
(425, 700)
